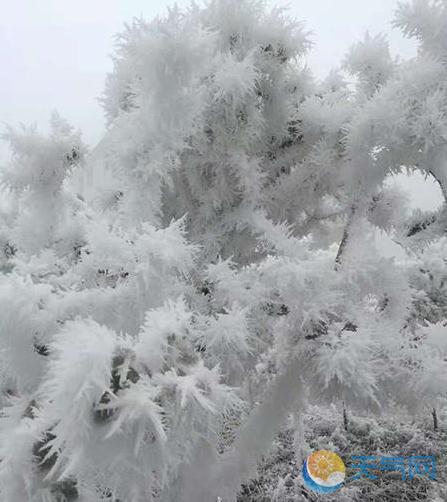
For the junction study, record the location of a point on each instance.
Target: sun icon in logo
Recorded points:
(324, 472)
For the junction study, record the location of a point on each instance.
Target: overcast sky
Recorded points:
(54, 54)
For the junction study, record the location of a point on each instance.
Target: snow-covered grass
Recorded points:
(279, 475)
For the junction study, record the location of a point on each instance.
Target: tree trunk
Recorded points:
(345, 418)
(435, 419)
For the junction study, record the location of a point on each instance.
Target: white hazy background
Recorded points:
(54, 54)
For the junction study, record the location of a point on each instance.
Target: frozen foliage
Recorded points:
(158, 330)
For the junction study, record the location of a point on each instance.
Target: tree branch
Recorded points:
(441, 184)
(225, 477)
(345, 238)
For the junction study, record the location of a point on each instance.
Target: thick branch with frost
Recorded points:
(224, 478)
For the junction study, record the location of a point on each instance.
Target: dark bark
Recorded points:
(435, 419)
(421, 225)
(345, 418)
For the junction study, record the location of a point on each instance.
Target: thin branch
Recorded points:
(345, 238)
(440, 183)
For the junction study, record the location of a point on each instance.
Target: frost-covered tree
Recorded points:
(104, 390)
(157, 332)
